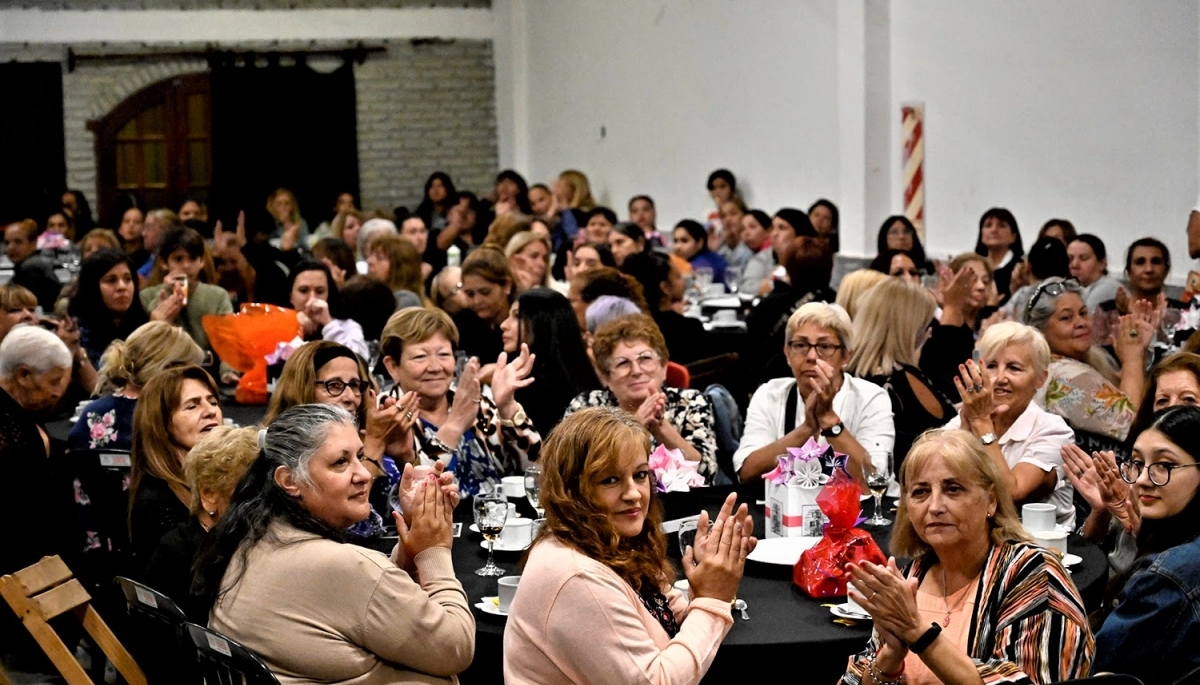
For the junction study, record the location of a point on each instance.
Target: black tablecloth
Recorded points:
(784, 622)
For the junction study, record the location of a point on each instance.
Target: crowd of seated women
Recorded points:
(448, 347)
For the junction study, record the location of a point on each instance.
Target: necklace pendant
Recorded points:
(946, 623)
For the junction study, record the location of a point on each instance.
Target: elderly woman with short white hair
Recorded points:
(1023, 439)
(819, 400)
(36, 507)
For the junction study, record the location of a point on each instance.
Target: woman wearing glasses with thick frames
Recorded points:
(1083, 386)
(1152, 630)
(632, 357)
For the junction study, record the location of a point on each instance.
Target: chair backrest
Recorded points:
(729, 427)
(104, 476)
(46, 590)
(223, 660)
(678, 376)
(157, 632)
(1106, 679)
(146, 601)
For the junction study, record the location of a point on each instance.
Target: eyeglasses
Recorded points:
(1158, 471)
(646, 361)
(336, 387)
(1053, 289)
(824, 350)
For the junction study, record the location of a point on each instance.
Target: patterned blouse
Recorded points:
(1030, 628)
(1088, 402)
(488, 451)
(689, 411)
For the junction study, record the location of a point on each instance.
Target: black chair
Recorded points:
(1192, 678)
(157, 633)
(223, 660)
(1106, 679)
(103, 475)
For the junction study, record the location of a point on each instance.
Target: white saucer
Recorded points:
(490, 605)
(475, 529)
(501, 547)
(841, 611)
(781, 551)
(1071, 559)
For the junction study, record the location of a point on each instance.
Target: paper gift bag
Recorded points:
(792, 511)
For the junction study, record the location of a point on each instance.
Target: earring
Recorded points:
(213, 512)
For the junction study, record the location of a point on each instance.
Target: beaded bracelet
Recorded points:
(879, 678)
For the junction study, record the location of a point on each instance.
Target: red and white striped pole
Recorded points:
(912, 122)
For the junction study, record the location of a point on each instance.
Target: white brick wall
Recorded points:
(421, 108)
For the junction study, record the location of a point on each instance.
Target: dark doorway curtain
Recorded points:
(282, 126)
(33, 171)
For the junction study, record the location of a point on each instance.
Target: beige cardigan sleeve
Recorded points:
(426, 627)
(613, 645)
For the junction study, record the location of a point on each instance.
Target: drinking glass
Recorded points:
(877, 483)
(733, 275)
(533, 488)
(687, 536)
(491, 511)
(703, 278)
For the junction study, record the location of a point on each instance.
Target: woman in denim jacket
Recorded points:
(1154, 627)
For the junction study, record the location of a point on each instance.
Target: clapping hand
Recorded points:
(704, 528)
(650, 412)
(466, 397)
(891, 599)
(718, 569)
(818, 399)
(412, 477)
(508, 377)
(170, 303)
(975, 388)
(429, 520)
(1099, 483)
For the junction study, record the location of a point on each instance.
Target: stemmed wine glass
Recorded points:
(877, 483)
(533, 488)
(491, 511)
(687, 536)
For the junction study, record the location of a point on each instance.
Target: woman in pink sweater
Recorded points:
(595, 604)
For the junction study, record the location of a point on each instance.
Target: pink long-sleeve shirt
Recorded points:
(574, 620)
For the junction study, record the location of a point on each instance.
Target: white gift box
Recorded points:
(792, 511)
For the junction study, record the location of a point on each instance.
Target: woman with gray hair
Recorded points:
(1082, 385)
(352, 615)
(36, 512)
(1023, 440)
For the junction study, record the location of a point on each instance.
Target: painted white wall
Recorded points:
(681, 88)
(1083, 109)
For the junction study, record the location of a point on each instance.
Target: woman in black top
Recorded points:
(891, 325)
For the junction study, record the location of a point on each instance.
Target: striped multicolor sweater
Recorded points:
(1030, 628)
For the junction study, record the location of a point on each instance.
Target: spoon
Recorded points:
(740, 605)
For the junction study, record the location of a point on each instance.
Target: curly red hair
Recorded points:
(581, 450)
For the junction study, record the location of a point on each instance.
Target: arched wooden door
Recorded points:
(157, 145)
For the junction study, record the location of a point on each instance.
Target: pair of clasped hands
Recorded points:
(715, 564)
(428, 495)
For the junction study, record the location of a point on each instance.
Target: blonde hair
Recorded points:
(13, 296)
(1005, 333)
(522, 240)
(148, 351)
(415, 325)
(824, 315)
(295, 215)
(965, 456)
(581, 190)
(219, 461)
(889, 323)
(855, 286)
(505, 227)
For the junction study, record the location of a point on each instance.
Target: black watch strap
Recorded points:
(926, 639)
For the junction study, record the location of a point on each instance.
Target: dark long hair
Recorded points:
(562, 368)
(918, 250)
(291, 440)
(650, 269)
(88, 305)
(1180, 425)
(335, 297)
(522, 197)
(1017, 247)
(428, 207)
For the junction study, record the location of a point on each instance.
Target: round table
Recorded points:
(784, 622)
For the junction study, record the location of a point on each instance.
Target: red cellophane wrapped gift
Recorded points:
(244, 340)
(821, 571)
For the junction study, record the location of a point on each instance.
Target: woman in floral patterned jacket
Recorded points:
(1083, 387)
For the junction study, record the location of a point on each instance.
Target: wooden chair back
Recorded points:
(48, 589)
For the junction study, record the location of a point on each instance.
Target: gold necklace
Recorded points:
(946, 598)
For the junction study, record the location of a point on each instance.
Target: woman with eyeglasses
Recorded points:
(480, 439)
(899, 263)
(1155, 621)
(819, 400)
(631, 355)
(1083, 386)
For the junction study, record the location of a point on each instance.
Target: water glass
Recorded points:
(491, 512)
(877, 483)
(533, 488)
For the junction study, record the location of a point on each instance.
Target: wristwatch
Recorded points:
(987, 439)
(926, 639)
(519, 417)
(833, 431)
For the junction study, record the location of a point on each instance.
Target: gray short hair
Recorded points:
(371, 228)
(823, 314)
(33, 347)
(606, 308)
(298, 433)
(1001, 335)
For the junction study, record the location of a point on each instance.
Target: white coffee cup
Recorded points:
(506, 589)
(512, 510)
(1037, 517)
(1052, 539)
(513, 486)
(724, 316)
(516, 533)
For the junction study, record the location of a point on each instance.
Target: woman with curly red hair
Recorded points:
(595, 604)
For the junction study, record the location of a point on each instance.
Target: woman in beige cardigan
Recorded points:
(282, 582)
(595, 603)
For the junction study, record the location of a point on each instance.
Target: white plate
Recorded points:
(1071, 559)
(722, 302)
(490, 605)
(501, 547)
(842, 611)
(781, 551)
